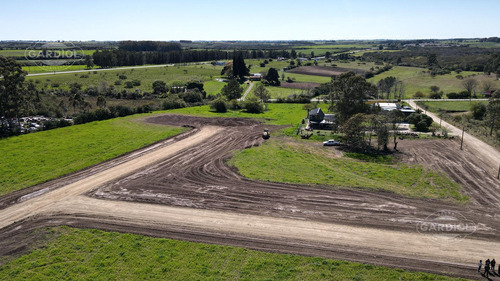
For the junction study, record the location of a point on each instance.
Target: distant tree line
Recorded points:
(149, 46)
(122, 57)
(444, 59)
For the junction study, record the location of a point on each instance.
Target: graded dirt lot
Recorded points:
(323, 70)
(183, 189)
(299, 85)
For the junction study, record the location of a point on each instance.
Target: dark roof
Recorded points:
(315, 111)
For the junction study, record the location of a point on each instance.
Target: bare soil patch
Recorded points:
(299, 85)
(323, 70)
(192, 194)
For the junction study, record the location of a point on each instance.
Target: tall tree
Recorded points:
(232, 90)
(16, 96)
(493, 112)
(395, 117)
(272, 77)
(470, 86)
(432, 60)
(240, 70)
(350, 91)
(385, 85)
(354, 131)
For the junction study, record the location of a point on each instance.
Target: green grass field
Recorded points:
(416, 79)
(146, 75)
(455, 106)
(56, 68)
(87, 254)
(22, 53)
(34, 158)
(300, 163)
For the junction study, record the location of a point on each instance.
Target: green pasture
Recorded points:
(453, 106)
(88, 254)
(22, 53)
(324, 168)
(34, 158)
(418, 79)
(146, 76)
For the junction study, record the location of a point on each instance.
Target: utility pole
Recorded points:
(462, 142)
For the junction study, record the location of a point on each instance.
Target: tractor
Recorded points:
(266, 134)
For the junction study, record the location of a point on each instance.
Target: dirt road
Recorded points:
(247, 91)
(488, 154)
(184, 190)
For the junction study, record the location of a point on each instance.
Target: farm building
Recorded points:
(388, 106)
(320, 120)
(255, 77)
(316, 115)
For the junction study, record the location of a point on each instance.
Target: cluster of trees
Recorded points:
(440, 60)
(17, 97)
(231, 93)
(112, 58)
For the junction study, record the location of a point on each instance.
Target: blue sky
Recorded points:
(247, 20)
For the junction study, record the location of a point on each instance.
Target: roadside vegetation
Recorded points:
(34, 158)
(479, 118)
(87, 254)
(326, 168)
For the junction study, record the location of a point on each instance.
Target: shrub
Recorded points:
(478, 110)
(55, 84)
(461, 95)
(421, 126)
(253, 105)
(234, 105)
(121, 110)
(136, 82)
(436, 95)
(173, 102)
(129, 84)
(419, 95)
(122, 76)
(118, 82)
(192, 96)
(219, 105)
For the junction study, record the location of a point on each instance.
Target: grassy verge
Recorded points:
(300, 163)
(79, 254)
(34, 158)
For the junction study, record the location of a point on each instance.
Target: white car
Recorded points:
(331, 143)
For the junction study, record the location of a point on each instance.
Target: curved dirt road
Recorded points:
(484, 151)
(198, 197)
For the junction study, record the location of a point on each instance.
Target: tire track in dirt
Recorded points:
(194, 180)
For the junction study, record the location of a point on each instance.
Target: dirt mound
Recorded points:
(323, 70)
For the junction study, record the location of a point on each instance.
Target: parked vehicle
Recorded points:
(331, 143)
